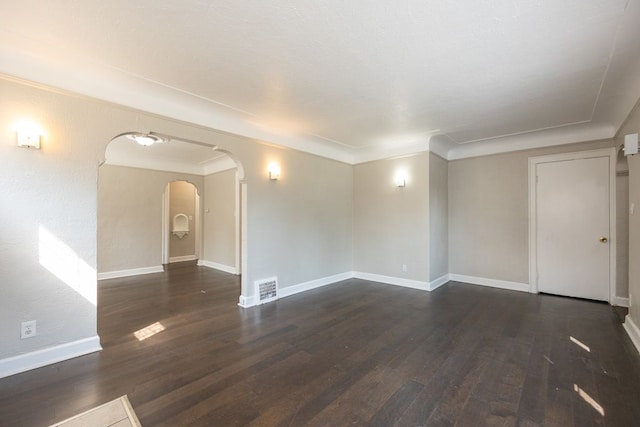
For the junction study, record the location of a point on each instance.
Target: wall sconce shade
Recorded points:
(631, 144)
(28, 137)
(274, 171)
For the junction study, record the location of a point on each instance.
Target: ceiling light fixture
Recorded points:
(145, 139)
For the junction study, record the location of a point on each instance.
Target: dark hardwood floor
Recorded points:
(354, 353)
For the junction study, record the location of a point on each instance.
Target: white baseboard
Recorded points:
(312, 284)
(620, 301)
(442, 280)
(131, 272)
(246, 301)
(407, 283)
(47, 356)
(250, 301)
(633, 331)
(390, 280)
(182, 258)
(221, 267)
(500, 284)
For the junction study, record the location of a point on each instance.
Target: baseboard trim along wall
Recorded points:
(407, 283)
(620, 302)
(493, 283)
(246, 301)
(250, 301)
(130, 272)
(633, 331)
(47, 356)
(390, 280)
(221, 267)
(182, 258)
(313, 284)
(442, 280)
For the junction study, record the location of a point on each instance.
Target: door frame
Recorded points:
(166, 221)
(611, 153)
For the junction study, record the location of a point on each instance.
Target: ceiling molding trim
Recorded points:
(533, 140)
(385, 152)
(440, 145)
(120, 88)
(621, 85)
(116, 87)
(155, 164)
(219, 164)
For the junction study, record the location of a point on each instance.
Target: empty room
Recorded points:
(321, 213)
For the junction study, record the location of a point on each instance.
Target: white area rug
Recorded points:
(117, 413)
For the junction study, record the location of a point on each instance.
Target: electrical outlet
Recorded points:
(404, 268)
(28, 329)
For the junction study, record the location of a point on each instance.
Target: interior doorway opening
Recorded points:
(181, 223)
(136, 224)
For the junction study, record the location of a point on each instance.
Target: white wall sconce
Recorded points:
(631, 144)
(28, 136)
(400, 181)
(274, 172)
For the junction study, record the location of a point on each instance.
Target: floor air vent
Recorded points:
(267, 289)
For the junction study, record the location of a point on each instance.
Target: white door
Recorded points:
(572, 216)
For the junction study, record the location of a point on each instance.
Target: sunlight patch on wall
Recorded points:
(149, 331)
(66, 265)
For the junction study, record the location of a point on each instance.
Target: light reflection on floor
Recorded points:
(149, 331)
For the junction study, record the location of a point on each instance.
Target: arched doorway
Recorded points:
(123, 152)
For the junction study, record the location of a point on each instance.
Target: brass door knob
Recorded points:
(603, 239)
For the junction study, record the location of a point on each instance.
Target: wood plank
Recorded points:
(354, 352)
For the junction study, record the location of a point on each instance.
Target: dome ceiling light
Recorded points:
(146, 139)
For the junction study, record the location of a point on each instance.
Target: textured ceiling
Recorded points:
(344, 79)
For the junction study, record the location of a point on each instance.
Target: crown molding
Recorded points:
(527, 141)
(219, 164)
(117, 87)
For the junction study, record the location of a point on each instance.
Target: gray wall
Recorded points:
(489, 213)
(220, 218)
(303, 227)
(632, 125)
(48, 209)
(391, 224)
(182, 196)
(130, 216)
(438, 217)
(298, 228)
(622, 235)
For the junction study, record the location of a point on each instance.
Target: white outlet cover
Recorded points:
(28, 329)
